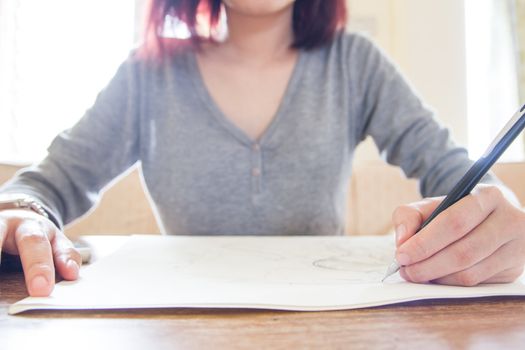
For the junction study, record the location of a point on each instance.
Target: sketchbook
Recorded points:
(307, 273)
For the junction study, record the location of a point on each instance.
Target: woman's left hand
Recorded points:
(479, 239)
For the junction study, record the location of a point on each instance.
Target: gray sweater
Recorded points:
(206, 176)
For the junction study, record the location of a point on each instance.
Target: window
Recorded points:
(56, 55)
(492, 74)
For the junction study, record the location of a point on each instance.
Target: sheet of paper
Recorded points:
(289, 273)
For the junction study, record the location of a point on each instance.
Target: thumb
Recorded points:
(408, 218)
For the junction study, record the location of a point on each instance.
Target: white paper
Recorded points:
(288, 273)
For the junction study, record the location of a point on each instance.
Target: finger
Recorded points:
(67, 258)
(506, 276)
(408, 218)
(486, 269)
(450, 225)
(403, 274)
(480, 243)
(32, 238)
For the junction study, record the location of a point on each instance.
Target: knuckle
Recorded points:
(464, 257)
(419, 247)
(34, 231)
(32, 224)
(399, 213)
(32, 237)
(46, 225)
(494, 192)
(456, 223)
(488, 194)
(40, 267)
(468, 278)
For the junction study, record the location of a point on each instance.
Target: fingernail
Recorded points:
(402, 259)
(400, 232)
(39, 283)
(72, 265)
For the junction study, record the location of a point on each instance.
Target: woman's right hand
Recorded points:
(42, 247)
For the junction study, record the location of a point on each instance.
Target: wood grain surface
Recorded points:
(486, 323)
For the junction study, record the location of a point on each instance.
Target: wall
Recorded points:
(426, 38)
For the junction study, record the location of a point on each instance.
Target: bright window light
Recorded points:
(492, 86)
(56, 55)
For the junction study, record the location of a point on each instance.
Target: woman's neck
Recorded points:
(259, 39)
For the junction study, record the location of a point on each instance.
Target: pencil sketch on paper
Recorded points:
(290, 273)
(358, 271)
(362, 266)
(284, 262)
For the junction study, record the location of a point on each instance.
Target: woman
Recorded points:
(255, 134)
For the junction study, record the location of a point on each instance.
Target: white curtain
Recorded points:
(55, 56)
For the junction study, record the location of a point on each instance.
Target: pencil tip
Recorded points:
(393, 268)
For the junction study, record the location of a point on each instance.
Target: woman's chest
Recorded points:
(185, 134)
(248, 96)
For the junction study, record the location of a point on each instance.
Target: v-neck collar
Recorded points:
(217, 113)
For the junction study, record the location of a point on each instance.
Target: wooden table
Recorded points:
(460, 324)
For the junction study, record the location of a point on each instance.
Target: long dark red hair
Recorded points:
(315, 22)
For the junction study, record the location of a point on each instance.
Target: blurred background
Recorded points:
(466, 59)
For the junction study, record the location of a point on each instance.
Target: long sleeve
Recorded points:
(85, 158)
(405, 131)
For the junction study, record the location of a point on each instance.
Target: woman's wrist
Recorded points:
(24, 201)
